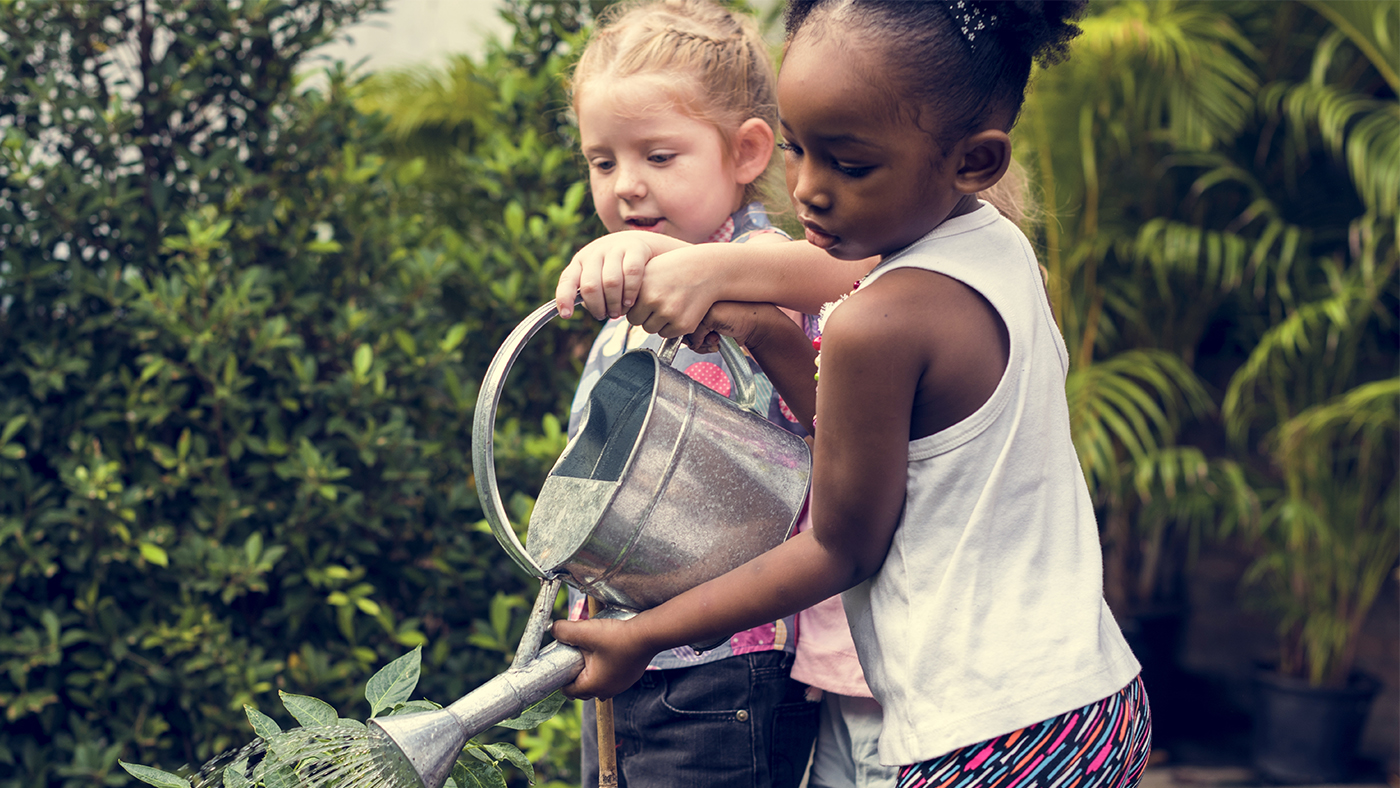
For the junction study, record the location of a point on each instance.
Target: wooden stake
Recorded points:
(607, 740)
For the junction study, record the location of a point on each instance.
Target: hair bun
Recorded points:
(1040, 29)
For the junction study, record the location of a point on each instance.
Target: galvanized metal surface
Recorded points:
(665, 485)
(699, 487)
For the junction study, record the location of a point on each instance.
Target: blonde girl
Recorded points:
(676, 109)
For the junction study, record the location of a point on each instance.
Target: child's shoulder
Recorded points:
(929, 327)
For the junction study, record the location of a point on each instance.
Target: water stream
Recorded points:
(329, 756)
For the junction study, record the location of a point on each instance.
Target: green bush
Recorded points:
(240, 334)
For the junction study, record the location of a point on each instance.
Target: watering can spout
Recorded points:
(419, 749)
(414, 750)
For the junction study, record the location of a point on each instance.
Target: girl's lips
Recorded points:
(646, 225)
(818, 238)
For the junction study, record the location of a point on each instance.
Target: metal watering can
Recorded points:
(665, 485)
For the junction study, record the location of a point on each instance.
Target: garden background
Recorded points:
(243, 315)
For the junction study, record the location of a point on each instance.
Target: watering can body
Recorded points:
(664, 485)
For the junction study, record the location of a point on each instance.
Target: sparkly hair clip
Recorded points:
(971, 19)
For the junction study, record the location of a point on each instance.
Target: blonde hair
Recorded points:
(1012, 197)
(722, 73)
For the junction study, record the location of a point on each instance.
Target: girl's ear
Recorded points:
(986, 155)
(753, 150)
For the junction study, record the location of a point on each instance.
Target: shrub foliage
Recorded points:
(239, 337)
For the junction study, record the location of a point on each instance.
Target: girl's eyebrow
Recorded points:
(834, 139)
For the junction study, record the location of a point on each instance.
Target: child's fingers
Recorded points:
(590, 285)
(567, 289)
(609, 667)
(658, 323)
(634, 265)
(612, 280)
(702, 341)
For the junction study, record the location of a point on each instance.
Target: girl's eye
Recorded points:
(851, 172)
(788, 147)
(660, 158)
(602, 165)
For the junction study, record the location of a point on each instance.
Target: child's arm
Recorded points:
(680, 286)
(858, 482)
(682, 280)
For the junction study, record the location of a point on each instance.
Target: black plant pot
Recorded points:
(1306, 734)
(1155, 638)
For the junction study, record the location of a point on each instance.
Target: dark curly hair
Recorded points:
(928, 54)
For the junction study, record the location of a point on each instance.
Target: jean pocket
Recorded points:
(699, 695)
(794, 729)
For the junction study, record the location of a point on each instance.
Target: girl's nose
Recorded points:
(629, 185)
(806, 187)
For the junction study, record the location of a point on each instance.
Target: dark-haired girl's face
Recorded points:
(864, 177)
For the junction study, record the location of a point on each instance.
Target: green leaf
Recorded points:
(515, 219)
(17, 423)
(505, 751)
(236, 774)
(307, 710)
(394, 682)
(253, 548)
(263, 725)
(454, 337)
(364, 357)
(413, 707)
(477, 774)
(537, 713)
(155, 554)
(154, 777)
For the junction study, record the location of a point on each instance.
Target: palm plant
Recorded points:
(1134, 278)
(1221, 183)
(1319, 395)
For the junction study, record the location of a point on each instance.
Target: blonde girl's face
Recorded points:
(864, 178)
(651, 166)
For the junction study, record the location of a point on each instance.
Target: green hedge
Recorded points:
(239, 343)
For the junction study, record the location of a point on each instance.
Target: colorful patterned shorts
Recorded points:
(1102, 745)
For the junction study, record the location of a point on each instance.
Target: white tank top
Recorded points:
(987, 614)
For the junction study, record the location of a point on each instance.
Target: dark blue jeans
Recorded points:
(735, 723)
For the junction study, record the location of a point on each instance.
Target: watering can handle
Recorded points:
(737, 362)
(484, 436)
(489, 397)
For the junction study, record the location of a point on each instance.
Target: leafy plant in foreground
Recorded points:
(284, 756)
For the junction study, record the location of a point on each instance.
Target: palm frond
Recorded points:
(1360, 416)
(1129, 404)
(1194, 71)
(1185, 498)
(430, 108)
(1305, 358)
(1371, 27)
(1359, 130)
(1333, 529)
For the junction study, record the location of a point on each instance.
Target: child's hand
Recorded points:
(608, 272)
(613, 657)
(748, 323)
(679, 288)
